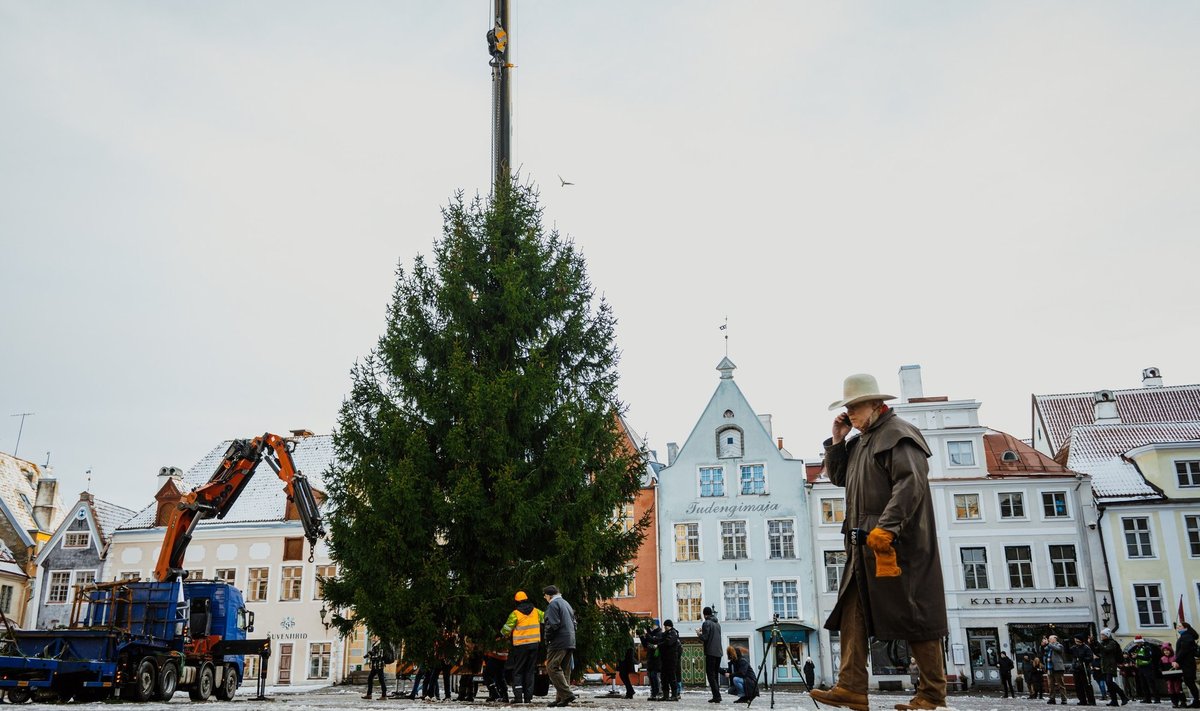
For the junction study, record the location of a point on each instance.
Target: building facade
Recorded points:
(75, 555)
(733, 527)
(640, 595)
(30, 511)
(259, 547)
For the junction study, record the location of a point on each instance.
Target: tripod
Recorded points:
(777, 638)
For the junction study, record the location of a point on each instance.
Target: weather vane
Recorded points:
(725, 327)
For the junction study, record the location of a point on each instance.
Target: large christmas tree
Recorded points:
(480, 448)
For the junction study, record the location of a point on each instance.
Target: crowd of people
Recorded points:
(1144, 672)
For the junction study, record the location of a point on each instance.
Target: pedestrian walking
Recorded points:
(377, 659)
(1110, 663)
(651, 639)
(810, 674)
(1006, 670)
(892, 585)
(670, 661)
(1081, 670)
(625, 667)
(559, 621)
(524, 624)
(710, 635)
(1185, 660)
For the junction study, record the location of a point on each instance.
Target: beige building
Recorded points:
(259, 546)
(30, 511)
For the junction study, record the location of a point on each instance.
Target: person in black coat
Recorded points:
(1185, 659)
(651, 639)
(1006, 669)
(670, 649)
(1081, 670)
(742, 676)
(625, 668)
(810, 674)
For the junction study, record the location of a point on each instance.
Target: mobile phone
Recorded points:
(846, 420)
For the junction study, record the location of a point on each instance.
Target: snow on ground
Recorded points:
(591, 698)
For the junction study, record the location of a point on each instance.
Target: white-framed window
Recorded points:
(629, 589)
(77, 539)
(1054, 504)
(835, 563)
(1191, 524)
(1137, 537)
(1020, 566)
(712, 481)
(688, 601)
(6, 596)
(624, 517)
(966, 507)
(59, 588)
(961, 453)
(974, 562)
(327, 572)
(737, 599)
(1148, 598)
(83, 578)
(781, 538)
(1188, 472)
(250, 671)
(785, 599)
(733, 540)
(687, 541)
(130, 575)
(256, 588)
(1064, 565)
(754, 479)
(227, 575)
(1012, 504)
(195, 574)
(291, 578)
(319, 654)
(833, 511)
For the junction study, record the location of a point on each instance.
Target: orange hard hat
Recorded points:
(520, 596)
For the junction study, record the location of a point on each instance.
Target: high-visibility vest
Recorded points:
(527, 629)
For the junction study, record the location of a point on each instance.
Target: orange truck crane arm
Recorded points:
(215, 498)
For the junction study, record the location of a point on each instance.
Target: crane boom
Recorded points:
(215, 498)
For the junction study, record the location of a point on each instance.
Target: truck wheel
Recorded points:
(18, 695)
(144, 680)
(229, 683)
(202, 690)
(168, 681)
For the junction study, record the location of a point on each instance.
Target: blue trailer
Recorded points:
(138, 640)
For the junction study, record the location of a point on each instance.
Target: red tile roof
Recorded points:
(1062, 412)
(1024, 461)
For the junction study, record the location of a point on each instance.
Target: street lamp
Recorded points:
(1105, 610)
(324, 613)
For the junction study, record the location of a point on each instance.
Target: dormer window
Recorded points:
(729, 443)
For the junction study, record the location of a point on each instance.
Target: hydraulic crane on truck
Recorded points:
(215, 498)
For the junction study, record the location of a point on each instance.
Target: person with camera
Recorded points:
(892, 586)
(1055, 658)
(651, 638)
(378, 657)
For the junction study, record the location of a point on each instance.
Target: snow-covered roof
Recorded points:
(1061, 412)
(109, 516)
(262, 500)
(8, 562)
(18, 490)
(1098, 450)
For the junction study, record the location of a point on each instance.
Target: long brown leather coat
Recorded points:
(886, 474)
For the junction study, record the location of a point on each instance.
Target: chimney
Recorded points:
(672, 452)
(766, 423)
(166, 474)
(779, 442)
(1104, 408)
(910, 383)
(1151, 377)
(45, 506)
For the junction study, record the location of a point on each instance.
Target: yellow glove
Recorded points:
(880, 541)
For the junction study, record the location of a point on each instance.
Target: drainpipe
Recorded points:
(1116, 620)
(1081, 526)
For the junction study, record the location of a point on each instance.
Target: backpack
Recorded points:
(389, 656)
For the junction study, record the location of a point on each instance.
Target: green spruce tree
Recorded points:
(480, 448)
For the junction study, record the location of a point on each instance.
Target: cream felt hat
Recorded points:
(858, 388)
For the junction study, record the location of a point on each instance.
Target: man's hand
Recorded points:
(841, 427)
(880, 541)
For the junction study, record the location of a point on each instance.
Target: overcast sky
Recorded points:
(202, 205)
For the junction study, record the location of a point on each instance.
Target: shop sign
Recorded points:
(982, 601)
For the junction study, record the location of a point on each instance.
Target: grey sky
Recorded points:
(202, 204)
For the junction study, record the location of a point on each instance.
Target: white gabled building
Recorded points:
(733, 526)
(1017, 558)
(259, 546)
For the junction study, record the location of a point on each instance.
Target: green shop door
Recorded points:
(691, 665)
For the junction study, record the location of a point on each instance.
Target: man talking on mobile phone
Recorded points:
(892, 586)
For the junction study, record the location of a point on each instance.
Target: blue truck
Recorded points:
(138, 640)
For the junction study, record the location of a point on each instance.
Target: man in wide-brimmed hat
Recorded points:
(892, 587)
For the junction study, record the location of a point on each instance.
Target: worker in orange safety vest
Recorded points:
(525, 626)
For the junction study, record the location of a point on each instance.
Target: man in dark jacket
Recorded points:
(376, 661)
(892, 586)
(1081, 670)
(1185, 659)
(1145, 660)
(559, 623)
(710, 636)
(1006, 670)
(670, 650)
(1110, 662)
(651, 639)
